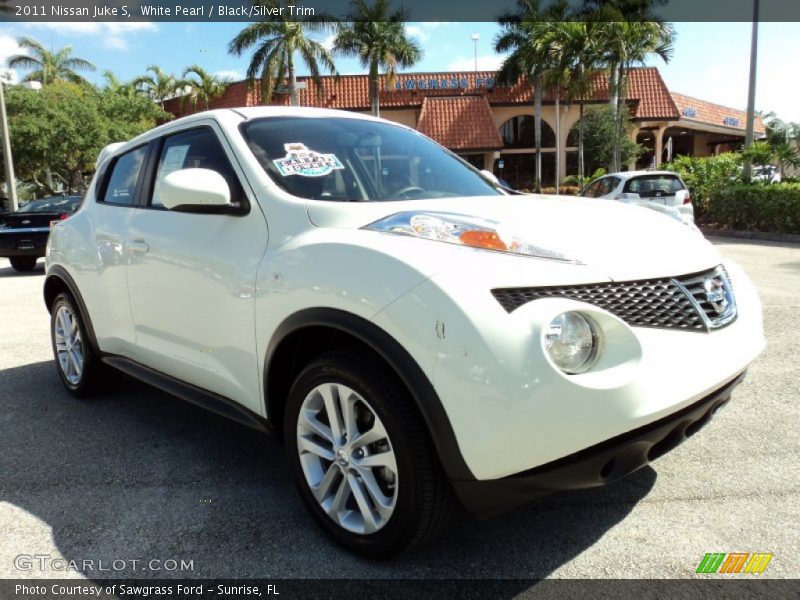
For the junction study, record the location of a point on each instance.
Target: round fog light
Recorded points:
(571, 341)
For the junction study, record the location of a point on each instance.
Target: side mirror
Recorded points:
(490, 176)
(195, 190)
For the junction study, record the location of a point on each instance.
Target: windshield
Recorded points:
(55, 204)
(342, 159)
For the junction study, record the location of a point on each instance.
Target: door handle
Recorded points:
(139, 246)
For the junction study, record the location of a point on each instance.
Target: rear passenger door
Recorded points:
(104, 287)
(192, 276)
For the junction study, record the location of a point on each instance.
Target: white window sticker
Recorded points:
(173, 159)
(299, 160)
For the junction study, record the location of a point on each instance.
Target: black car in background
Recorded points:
(23, 234)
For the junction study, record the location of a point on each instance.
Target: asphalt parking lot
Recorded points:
(136, 474)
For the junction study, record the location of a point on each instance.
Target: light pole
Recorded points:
(751, 93)
(475, 38)
(7, 160)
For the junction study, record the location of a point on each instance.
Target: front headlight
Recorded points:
(572, 342)
(465, 231)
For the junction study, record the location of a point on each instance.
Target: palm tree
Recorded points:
(204, 86)
(580, 57)
(627, 40)
(378, 38)
(558, 64)
(46, 66)
(276, 43)
(158, 84)
(526, 35)
(115, 85)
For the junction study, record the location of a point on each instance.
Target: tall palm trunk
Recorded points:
(620, 116)
(613, 104)
(292, 76)
(581, 166)
(375, 104)
(537, 131)
(558, 137)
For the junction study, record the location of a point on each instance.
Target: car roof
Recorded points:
(631, 174)
(242, 113)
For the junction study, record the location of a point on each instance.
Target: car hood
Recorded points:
(625, 242)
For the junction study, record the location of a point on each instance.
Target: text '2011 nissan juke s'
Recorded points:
(414, 333)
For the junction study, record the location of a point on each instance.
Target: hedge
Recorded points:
(769, 208)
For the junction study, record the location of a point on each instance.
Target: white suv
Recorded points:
(413, 332)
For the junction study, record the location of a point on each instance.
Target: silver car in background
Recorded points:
(663, 191)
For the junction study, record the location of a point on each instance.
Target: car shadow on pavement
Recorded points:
(137, 474)
(8, 271)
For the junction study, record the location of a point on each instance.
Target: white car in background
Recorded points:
(412, 331)
(662, 191)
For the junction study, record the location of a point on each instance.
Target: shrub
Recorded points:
(774, 208)
(707, 175)
(575, 180)
(564, 190)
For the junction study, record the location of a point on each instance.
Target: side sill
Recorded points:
(190, 393)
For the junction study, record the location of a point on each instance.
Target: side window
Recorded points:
(121, 186)
(591, 191)
(195, 149)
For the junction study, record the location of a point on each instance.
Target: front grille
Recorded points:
(670, 303)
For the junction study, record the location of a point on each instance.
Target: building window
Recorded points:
(518, 132)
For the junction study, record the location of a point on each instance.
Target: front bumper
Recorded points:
(598, 465)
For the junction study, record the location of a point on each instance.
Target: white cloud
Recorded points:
(423, 31)
(8, 48)
(112, 35)
(230, 74)
(486, 62)
(9, 76)
(418, 32)
(116, 43)
(327, 43)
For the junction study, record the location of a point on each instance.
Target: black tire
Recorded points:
(23, 264)
(424, 502)
(93, 371)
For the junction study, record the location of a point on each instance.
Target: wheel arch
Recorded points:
(57, 281)
(325, 328)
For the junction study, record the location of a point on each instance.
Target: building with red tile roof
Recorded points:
(490, 125)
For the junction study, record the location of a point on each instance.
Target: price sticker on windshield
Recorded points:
(299, 160)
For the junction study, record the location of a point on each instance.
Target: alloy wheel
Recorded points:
(69, 345)
(347, 458)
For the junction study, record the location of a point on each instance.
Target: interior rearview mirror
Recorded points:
(200, 190)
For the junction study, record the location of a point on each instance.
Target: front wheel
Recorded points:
(23, 264)
(362, 457)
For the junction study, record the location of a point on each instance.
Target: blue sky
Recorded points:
(710, 62)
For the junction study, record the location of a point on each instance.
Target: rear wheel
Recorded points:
(78, 366)
(361, 457)
(23, 263)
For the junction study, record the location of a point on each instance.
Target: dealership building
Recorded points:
(491, 125)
